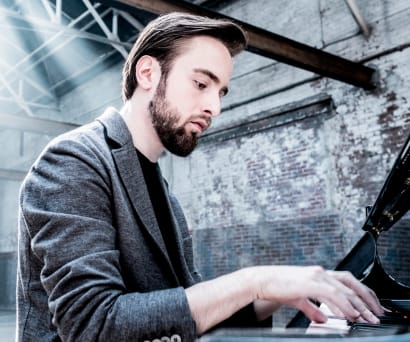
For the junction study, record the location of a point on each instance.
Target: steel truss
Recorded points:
(16, 84)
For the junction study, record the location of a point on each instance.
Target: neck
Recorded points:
(144, 136)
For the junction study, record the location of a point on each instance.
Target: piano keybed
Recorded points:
(395, 321)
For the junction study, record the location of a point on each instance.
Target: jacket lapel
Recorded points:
(173, 223)
(129, 170)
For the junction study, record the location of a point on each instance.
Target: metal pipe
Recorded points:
(36, 125)
(354, 9)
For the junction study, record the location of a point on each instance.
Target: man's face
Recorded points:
(186, 101)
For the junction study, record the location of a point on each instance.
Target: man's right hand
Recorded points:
(270, 287)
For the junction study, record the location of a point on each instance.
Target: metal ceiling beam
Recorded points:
(110, 35)
(31, 104)
(61, 31)
(273, 46)
(131, 20)
(70, 32)
(14, 175)
(49, 10)
(357, 15)
(17, 98)
(59, 10)
(24, 78)
(35, 125)
(45, 44)
(65, 31)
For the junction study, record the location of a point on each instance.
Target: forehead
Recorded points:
(208, 53)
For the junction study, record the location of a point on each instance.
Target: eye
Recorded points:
(223, 93)
(200, 85)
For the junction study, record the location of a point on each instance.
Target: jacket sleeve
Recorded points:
(246, 317)
(66, 208)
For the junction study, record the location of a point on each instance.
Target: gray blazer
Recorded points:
(92, 262)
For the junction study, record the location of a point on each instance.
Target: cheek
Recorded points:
(181, 92)
(175, 95)
(183, 101)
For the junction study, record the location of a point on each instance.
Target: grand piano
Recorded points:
(380, 259)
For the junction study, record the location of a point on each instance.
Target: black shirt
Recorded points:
(161, 209)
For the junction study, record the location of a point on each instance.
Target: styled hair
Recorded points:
(162, 39)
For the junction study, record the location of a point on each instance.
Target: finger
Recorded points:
(311, 311)
(368, 316)
(365, 313)
(361, 308)
(348, 305)
(335, 310)
(367, 295)
(340, 299)
(365, 292)
(328, 290)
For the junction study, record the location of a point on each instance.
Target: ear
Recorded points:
(148, 72)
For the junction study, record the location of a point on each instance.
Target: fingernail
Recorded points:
(374, 319)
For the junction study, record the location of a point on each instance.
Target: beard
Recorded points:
(165, 121)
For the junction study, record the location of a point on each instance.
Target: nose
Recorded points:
(212, 105)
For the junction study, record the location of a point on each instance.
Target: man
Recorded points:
(104, 249)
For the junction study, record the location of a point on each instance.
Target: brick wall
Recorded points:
(287, 170)
(260, 194)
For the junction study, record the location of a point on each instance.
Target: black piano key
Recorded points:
(369, 329)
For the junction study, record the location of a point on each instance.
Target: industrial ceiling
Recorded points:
(48, 47)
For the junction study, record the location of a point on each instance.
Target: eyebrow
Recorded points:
(213, 77)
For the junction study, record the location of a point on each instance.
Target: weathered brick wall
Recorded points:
(295, 193)
(251, 193)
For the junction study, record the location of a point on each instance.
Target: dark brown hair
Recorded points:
(162, 38)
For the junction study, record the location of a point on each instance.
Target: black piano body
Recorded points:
(367, 262)
(369, 258)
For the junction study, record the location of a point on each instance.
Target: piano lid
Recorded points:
(393, 200)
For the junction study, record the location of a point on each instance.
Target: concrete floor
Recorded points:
(7, 325)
